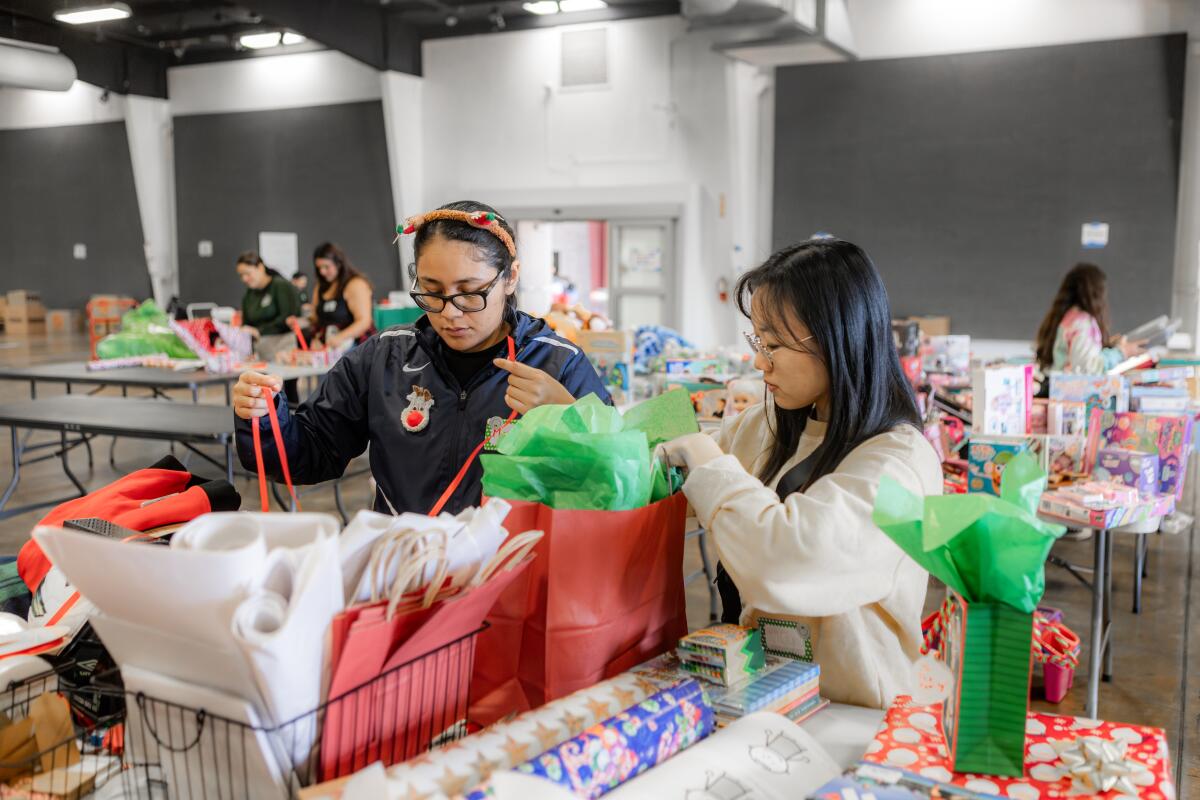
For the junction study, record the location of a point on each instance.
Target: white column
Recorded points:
(1186, 301)
(152, 154)
(402, 120)
(536, 242)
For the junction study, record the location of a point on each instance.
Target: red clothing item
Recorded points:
(164, 494)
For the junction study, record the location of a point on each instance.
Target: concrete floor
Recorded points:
(1157, 674)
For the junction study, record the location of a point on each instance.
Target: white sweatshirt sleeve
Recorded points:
(817, 553)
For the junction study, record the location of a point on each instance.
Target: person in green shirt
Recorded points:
(270, 300)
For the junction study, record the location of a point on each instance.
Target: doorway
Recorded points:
(622, 269)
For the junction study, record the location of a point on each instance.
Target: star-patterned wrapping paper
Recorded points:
(911, 739)
(462, 765)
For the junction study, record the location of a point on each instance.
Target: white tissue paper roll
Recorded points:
(187, 593)
(217, 530)
(285, 639)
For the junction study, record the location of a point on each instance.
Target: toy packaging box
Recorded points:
(611, 353)
(987, 457)
(1003, 400)
(1109, 392)
(1138, 470)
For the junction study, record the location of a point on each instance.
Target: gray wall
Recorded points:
(59, 186)
(321, 173)
(967, 177)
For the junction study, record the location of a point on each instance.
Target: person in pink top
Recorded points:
(1075, 336)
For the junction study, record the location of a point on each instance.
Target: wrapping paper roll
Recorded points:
(619, 749)
(455, 769)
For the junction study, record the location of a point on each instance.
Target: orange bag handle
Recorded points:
(279, 448)
(462, 473)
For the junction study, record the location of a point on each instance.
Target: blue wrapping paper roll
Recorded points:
(619, 749)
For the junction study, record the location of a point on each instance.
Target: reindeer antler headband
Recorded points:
(484, 220)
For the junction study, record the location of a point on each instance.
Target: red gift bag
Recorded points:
(401, 669)
(604, 594)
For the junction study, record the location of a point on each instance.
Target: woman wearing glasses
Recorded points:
(788, 488)
(424, 397)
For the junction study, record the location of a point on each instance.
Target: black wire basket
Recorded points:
(54, 762)
(177, 751)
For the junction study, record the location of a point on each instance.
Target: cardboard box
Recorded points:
(33, 311)
(933, 326)
(21, 297)
(64, 320)
(36, 327)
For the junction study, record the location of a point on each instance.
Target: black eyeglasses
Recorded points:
(470, 302)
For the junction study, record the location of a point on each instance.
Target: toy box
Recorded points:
(988, 455)
(1002, 401)
(1138, 470)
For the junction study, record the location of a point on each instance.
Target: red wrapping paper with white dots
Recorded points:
(911, 739)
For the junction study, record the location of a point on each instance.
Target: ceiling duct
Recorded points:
(24, 65)
(772, 32)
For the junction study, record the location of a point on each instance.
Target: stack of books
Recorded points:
(783, 686)
(724, 654)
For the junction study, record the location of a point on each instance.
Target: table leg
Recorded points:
(1108, 606)
(68, 387)
(16, 476)
(195, 393)
(337, 498)
(228, 393)
(1096, 653)
(67, 466)
(229, 462)
(33, 390)
(1139, 567)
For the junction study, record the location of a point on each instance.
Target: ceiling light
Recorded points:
(90, 14)
(293, 38)
(542, 7)
(257, 41)
(569, 6)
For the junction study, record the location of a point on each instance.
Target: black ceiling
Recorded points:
(132, 55)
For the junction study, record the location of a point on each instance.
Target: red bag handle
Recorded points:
(279, 448)
(462, 473)
(300, 336)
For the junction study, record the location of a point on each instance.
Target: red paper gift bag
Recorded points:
(604, 594)
(401, 674)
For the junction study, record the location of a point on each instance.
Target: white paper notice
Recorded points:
(1094, 235)
(280, 252)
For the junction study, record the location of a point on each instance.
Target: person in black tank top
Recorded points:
(343, 299)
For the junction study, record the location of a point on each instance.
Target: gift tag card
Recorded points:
(932, 680)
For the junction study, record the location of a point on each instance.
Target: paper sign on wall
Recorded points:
(280, 252)
(1095, 235)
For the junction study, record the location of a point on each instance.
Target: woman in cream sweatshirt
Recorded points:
(787, 489)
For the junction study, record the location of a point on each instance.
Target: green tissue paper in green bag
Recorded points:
(587, 456)
(991, 553)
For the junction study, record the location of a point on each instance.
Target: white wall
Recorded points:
(319, 78)
(79, 105)
(902, 28)
(655, 138)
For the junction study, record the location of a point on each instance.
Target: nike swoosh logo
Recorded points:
(416, 369)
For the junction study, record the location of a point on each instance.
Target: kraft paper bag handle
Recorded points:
(511, 554)
(400, 548)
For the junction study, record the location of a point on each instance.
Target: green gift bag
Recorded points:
(987, 649)
(990, 552)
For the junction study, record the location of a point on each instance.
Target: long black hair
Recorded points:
(494, 253)
(832, 287)
(252, 258)
(346, 271)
